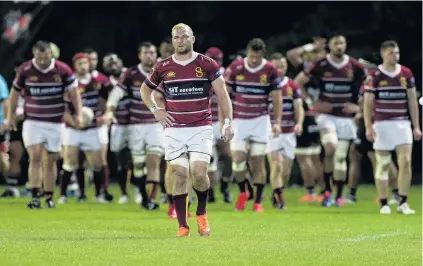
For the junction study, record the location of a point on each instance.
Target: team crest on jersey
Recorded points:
(240, 77)
(96, 85)
(199, 72)
(383, 83)
(403, 82)
(137, 83)
(289, 92)
(327, 74)
(81, 89)
(263, 78)
(57, 78)
(33, 78)
(171, 74)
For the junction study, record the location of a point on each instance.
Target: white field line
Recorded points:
(372, 237)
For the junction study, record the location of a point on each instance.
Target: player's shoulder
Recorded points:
(62, 66)
(355, 63)
(205, 59)
(237, 65)
(406, 71)
(131, 71)
(293, 84)
(162, 64)
(25, 66)
(320, 60)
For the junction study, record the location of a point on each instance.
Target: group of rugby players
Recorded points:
(48, 99)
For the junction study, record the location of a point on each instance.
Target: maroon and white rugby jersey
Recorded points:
(91, 90)
(138, 111)
(251, 87)
(44, 89)
(214, 106)
(338, 83)
(390, 89)
(122, 109)
(291, 91)
(187, 88)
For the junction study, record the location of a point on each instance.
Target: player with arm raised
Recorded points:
(339, 78)
(390, 102)
(45, 82)
(251, 80)
(282, 147)
(188, 136)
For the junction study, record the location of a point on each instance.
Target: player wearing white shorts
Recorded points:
(93, 95)
(189, 80)
(339, 78)
(251, 80)
(144, 135)
(45, 81)
(390, 102)
(282, 147)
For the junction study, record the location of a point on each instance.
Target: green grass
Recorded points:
(304, 234)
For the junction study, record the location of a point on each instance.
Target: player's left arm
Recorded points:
(276, 94)
(413, 106)
(70, 83)
(298, 111)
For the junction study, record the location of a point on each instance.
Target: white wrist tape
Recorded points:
(308, 47)
(228, 123)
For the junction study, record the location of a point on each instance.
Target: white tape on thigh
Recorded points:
(239, 146)
(138, 158)
(239, 167)
(155, 150)
(258, 149)
(340, 156)
(181, 161)
(382, 166)
(329, 137)
(198, 156)
(69, 168)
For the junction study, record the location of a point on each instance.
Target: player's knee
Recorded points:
(382, 166)
(340, 155)
(404, 160)
(329, 140)
(70, 167)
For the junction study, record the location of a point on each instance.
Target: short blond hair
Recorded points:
(182, 26)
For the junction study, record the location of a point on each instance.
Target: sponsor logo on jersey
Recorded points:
(383, 83)
(137, 83)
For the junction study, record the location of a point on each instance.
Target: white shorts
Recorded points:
(285, 143)
(103, 134)
(37, 132)
(86, 140)
(345, 127)
(257, 130)
(217, 135)
(139, 138)
(390, 134)
(178, 141)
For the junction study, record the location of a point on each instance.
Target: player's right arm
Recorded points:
(151, 83)
(114, 96)
(303, 78)
(369, 98)
(295, 56)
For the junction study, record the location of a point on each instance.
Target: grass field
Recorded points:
(304, 234)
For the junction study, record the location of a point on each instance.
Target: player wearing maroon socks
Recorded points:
(188, 79)
(45, 82)
(251, 80)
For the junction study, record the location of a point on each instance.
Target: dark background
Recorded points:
(120, 26)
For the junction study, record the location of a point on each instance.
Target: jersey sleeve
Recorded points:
(313, 69)
(19, 81)
(369, 84)
(69, 79)
(105, 89)
(411, 83)
(230, 75)
(274, 78)
(213, 70)
(4, 90)
(153, 80)
(296, 93)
